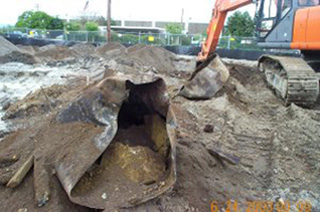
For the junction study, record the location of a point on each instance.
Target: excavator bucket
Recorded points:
(208, 78)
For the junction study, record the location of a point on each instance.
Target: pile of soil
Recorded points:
(28, 49)
(17, 56)
(7, 47)
(11, 53)
(36, 103)
(54, 52)
(83, 49)
(111, 50)
(157, 57)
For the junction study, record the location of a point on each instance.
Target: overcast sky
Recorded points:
(161, 10)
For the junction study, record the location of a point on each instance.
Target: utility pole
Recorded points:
(109, 22)
(182, 14)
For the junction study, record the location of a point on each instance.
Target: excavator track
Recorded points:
(291, 78)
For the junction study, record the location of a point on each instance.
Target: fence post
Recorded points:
(228, 47)
(87, 36)
(139, 40)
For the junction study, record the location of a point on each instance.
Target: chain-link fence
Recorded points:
(159, 39)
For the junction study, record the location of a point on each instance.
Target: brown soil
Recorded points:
(53, 52)
(43, 101)
(109, 46)
(17, 56)
(83, 49)
(156, 57)
(111, 50)
(29, 49)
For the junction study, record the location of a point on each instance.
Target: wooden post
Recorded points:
(109, 22)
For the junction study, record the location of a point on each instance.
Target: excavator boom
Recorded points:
(219, 13)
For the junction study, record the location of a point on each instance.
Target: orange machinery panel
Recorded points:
(306, 29)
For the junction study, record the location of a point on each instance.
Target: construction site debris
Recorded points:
(258, 149)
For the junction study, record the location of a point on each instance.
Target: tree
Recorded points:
(38, 20)
(102, 21)
(73, 26)
(174, 28)
(55, 23)
(240, 24)
(92, 26)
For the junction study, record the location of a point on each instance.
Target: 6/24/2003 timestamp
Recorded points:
(263, 206)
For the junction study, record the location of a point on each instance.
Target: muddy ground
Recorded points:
(242, 145)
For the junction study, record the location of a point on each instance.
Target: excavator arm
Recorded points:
(219, 13)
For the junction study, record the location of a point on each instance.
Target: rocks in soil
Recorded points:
(208, 128)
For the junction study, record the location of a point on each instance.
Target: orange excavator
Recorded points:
(281, 24)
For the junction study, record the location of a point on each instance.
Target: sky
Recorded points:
(143, 10)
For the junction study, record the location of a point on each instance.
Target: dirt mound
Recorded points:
(153, 56)
(29, 49)
(55, 52)
(110, 46)
(111, 50)
(36, 103)
(17, 56)
(136, 47)
(7, 47)
(83, 49)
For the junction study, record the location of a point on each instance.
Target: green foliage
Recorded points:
(174, 28)
(185, 40)
(38, 20)
(73, 26)
(55, 23)
(131, 39)
(92, 26)
(240, 24)
(104, 22)
(25, 19)
(5, 29)
(124, 38)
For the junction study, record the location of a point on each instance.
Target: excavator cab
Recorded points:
(277, 21)
(269, 14)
